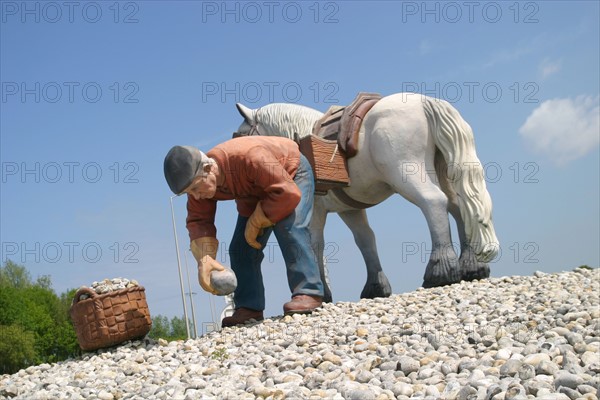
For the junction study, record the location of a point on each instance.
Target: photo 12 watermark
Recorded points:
(69, 92)
(53, 12)
(493, 172)
(71, 252)
(69, 172)
(474, 91)
(517, 252)
(454, 12)
(253, 12)
(270, 92)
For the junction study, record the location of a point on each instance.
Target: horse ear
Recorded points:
(245, 112)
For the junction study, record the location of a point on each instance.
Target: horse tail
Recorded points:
(454, 139)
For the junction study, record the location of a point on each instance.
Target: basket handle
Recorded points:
(83, 290)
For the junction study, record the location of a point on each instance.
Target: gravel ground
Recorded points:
(502, 338)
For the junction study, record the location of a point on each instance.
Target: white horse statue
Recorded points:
(420, 148)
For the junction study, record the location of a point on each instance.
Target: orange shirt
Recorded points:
(256, 168)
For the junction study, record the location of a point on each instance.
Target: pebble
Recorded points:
(535, 359)
(109, 285)
(407, 365)
(505, 338)
(511, 367)
(402, 389)
(547, 368)
(503, 354)
(567, 379)
(223, 282)
(526, 372)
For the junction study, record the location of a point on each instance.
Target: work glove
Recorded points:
(255, 226)
(204, 250)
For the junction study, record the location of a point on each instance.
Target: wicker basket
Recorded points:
(105, 320)
(328, 164)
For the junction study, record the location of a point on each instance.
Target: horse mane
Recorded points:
(282, 119)
(454, 139)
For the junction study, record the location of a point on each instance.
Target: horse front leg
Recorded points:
(317, 226)
(377, 283)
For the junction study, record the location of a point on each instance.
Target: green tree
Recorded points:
(16, 348)
(14, 275)
(44, 281)
(40, 317)
(163, 328)
(178, 328)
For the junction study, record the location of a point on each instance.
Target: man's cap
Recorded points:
(182, 165)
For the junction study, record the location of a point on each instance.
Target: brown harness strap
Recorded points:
(349, 201)
(352, 119)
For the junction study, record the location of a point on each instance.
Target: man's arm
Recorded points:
(282, 193)
(200, 223)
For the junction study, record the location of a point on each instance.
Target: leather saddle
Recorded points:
(343, 123)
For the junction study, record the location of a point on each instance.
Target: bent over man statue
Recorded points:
(273, 186)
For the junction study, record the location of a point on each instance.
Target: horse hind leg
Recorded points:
(377, 284)
(442, 268)
(470, 268)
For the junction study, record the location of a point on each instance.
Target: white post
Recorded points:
(187, 271)
(185, 316)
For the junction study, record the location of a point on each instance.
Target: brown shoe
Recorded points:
(302, 304)
(241, 316)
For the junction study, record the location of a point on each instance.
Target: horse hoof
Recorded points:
(437, 283)
(327, 296)
(443, 277)
(427, 284)
(380, 287)
(470, 268)
(373, 291)
(442, 268)
(481, 272)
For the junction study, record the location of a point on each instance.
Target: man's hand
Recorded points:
(204, 250)
(255, 226)
(204, 270)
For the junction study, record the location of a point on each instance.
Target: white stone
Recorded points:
(224, 282)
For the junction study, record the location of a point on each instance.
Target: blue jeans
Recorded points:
(293, 236)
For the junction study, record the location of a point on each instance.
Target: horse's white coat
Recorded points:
(420, 148)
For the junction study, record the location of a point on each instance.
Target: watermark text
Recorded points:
(270, 92)
(252, 12)
(52, 12)
(69, 92)
(453, 12)
(473, 91)
(68, 172)
(71, 252)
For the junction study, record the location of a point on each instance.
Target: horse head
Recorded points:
(248, 127)
(278, 119)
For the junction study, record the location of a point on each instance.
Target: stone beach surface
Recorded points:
(520, 337)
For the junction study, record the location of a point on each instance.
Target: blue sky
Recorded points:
(95, 93)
